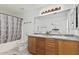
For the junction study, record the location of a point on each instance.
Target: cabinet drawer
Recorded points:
(51, 47)
(54, 44)
(51, 40)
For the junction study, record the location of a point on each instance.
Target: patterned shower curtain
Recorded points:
(10, 28)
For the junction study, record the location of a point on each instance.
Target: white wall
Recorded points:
(28, 27)
(29, 17)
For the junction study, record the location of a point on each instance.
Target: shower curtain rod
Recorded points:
(11, 15)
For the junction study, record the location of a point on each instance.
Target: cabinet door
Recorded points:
(32, 44)
(51, 47)
(68, 47)
(40, 46)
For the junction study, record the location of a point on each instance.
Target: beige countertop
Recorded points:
(74, 38)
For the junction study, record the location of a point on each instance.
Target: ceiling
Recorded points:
(20, 8)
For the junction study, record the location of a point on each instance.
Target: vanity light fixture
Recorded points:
(51, 10)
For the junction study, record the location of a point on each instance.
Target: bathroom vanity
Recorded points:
(62, 24)
(53, 45)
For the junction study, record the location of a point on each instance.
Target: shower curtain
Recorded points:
(10, 28)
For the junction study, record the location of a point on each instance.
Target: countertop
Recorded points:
(74, 37)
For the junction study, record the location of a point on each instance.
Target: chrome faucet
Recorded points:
(48, 32)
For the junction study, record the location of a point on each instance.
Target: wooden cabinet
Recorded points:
(40, 46)
(67, 47)
(36, 45)
(32, 44)
(51, 47)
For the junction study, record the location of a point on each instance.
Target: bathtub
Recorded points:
(8, 46)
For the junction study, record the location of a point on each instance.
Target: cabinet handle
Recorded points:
(51, 46)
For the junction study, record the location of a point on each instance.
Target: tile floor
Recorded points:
(22, 50)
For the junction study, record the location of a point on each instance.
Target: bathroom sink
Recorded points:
(65, 35)
(53, 34)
